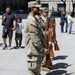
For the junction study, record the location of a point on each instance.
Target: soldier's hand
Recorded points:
(46, 51)
(50, 43)
(33, 24)
(51, 29)
(47, 32)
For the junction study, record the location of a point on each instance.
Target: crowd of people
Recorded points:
(67, 20)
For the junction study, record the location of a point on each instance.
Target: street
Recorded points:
(13, 62)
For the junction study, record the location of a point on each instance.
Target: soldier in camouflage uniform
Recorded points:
(33, 40)
(43, 16)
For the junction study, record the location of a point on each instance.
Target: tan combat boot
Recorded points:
(45, 69)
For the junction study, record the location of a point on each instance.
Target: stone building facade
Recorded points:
(58, 5)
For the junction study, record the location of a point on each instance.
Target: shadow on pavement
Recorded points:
(60, 57)
(72, 32)
(22, 47)
(59, 72)
(1, 44)
(55, 69)
(60, 66)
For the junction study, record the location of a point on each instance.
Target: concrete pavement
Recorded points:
(13, 62)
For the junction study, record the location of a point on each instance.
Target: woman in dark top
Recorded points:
(62, 21)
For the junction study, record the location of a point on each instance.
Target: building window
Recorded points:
(61, 7)
(45, 5)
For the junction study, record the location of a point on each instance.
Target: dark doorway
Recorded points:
(45, 5)
(61, 7)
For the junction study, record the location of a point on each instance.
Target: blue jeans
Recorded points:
(66, 27)
(69, 28)
(62, 27)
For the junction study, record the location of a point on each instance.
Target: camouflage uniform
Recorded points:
(34, 45)
(43, 24)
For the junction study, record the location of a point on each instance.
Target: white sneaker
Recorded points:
(10, 47)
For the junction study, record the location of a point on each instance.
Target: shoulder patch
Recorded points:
(33, 23)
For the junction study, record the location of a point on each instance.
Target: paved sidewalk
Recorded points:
(13, 62)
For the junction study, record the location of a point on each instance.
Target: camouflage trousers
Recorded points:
(31, 72)
(34, 64)
(44, 60)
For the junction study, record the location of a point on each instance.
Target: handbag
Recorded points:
(61, 22)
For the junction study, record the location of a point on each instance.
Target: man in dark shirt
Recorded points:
(9, 24)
